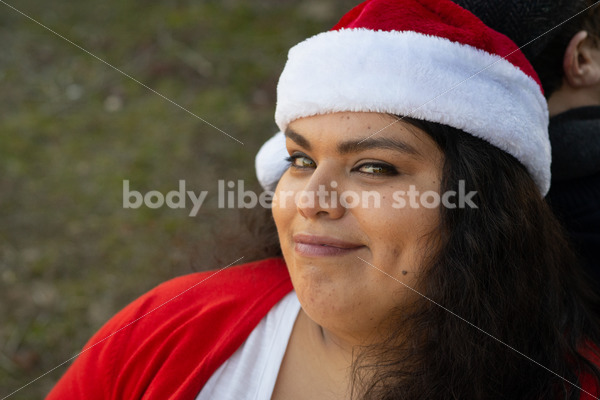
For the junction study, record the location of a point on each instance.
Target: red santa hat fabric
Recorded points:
(425, 59)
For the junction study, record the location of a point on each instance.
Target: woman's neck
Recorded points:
(317, 364)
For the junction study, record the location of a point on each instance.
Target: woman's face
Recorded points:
(346, 258)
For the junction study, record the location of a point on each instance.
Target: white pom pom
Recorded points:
(271, 161)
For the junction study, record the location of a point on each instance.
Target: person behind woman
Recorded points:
(566, 56)
(401, 296)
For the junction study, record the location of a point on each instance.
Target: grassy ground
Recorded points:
(72, 129)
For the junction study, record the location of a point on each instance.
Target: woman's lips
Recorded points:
(319, 246)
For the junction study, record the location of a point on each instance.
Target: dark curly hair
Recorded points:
(506, 268)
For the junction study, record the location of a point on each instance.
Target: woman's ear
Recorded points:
(581, 63)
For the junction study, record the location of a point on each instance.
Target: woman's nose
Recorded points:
(320, 198)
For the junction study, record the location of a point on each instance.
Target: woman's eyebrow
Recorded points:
(355, 146)
(298, 138)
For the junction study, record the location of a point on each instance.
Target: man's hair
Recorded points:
(549, 62)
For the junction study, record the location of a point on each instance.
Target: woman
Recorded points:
(421, 261)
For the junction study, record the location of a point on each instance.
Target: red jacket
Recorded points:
(169, 342)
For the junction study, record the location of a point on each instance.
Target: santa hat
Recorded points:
(425, 59)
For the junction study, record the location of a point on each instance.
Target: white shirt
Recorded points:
(250, 373)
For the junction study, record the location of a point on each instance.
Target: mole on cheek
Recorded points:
(404, 272)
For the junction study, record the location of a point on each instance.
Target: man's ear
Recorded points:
(580, 64)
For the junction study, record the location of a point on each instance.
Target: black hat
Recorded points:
(525, 20)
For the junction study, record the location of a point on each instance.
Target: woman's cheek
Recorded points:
(284, 207)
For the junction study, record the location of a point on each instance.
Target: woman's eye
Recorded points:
(377, 169)
(301, 161)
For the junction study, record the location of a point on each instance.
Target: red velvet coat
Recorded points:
(168, 343)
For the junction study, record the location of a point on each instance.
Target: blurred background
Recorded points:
(72, 129)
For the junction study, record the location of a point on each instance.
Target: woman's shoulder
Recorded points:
(246, 280)
(224, 290)
(217, 297)
(170, 340)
